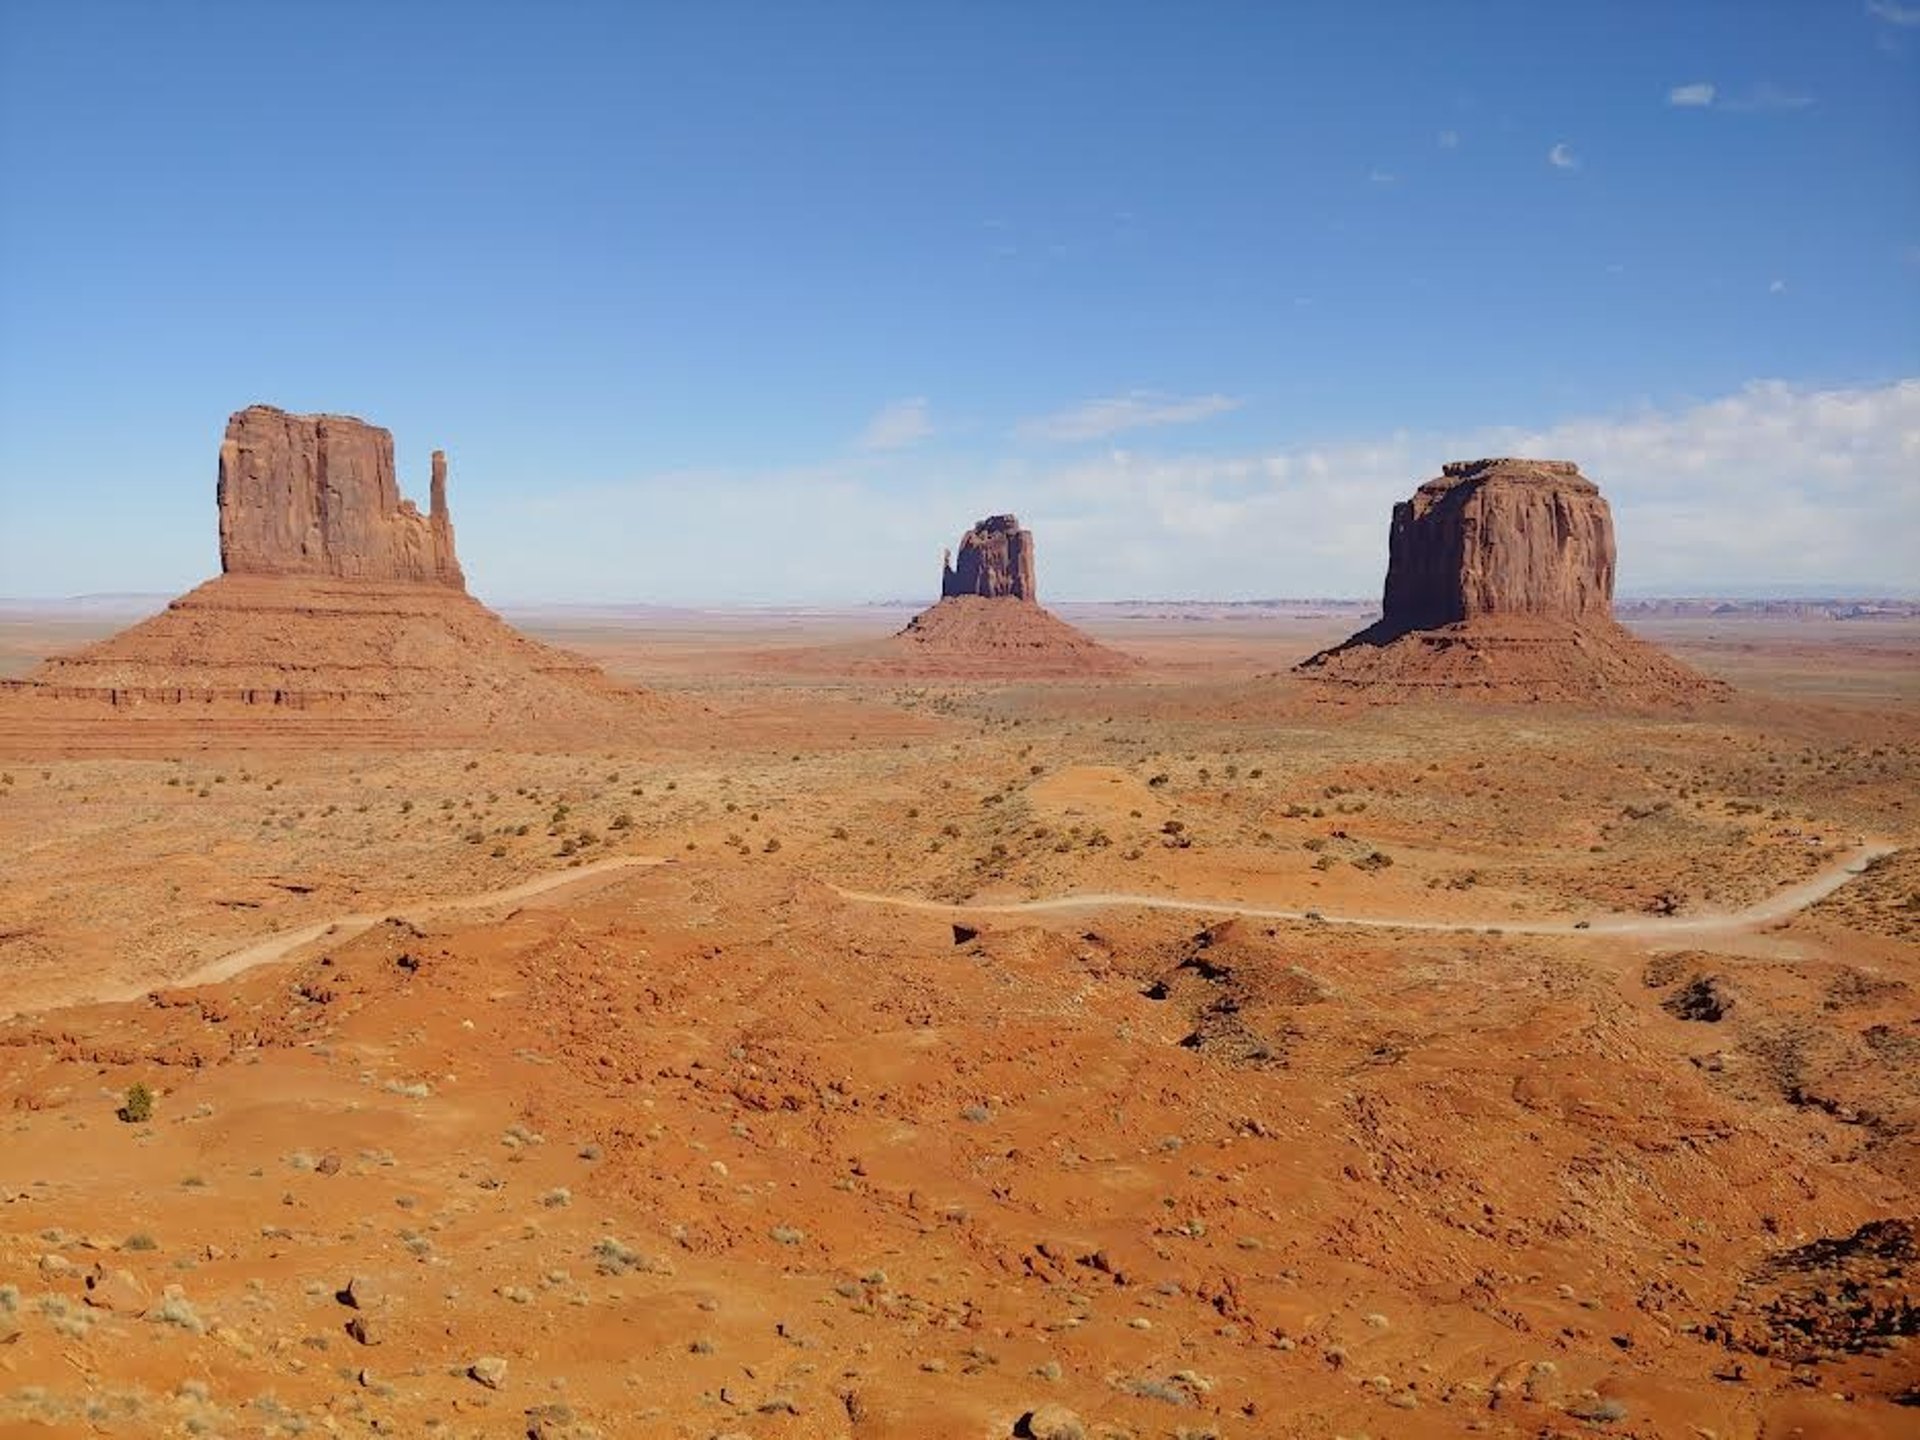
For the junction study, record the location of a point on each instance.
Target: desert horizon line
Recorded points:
(1749, 595)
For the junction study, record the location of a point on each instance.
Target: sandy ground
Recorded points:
(726, 1146)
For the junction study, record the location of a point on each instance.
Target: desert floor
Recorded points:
(717, 1083)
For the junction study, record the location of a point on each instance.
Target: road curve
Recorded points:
(1789, 901)
(344, 927)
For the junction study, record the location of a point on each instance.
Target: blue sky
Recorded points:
(764, 303)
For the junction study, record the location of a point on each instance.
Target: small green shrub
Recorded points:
(138, 1109)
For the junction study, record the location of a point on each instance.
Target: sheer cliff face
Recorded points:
(316, 495)
(996, 559)
(1500, 537)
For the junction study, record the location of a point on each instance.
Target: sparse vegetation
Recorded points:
(137, 1109)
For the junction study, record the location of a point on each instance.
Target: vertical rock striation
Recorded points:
(316, 495)
(1500, 537)
(996, 559)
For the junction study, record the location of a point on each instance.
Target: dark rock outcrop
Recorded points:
(316, 495)
(996, 559)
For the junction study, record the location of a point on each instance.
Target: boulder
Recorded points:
(115, 1290)
(316, 495)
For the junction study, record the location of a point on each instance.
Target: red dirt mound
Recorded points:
(312, 654)
(1512, 658)
(969, 637)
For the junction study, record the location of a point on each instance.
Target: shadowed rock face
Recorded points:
(316, 495)
(996, 559)
(1500, 537)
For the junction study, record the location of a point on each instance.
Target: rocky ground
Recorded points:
(708, 1149)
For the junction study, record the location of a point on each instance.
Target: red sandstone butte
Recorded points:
(996, 559)
(341, 612)
(316, 495)
(1500, 584)
(1500, 537)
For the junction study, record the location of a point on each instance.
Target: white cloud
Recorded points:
(896, 426)
(1775, 486)
(1561, 157)
(1763, 97)
(1778, 287)
(1894, 14)
(1766, 97)
(1139, 409)
(1382, 177)
(1449, 140)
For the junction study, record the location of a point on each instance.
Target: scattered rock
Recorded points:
(1050, 1422)
(115, 1290)
(1705, 998)
(489, 1370)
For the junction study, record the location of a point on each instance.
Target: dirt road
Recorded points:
(1790, 901)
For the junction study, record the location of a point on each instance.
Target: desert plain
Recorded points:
(836, 1052)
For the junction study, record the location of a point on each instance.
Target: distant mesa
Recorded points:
(996, 560)
(989, 624)
(316, 495)
(1500, 583)
(341, 613)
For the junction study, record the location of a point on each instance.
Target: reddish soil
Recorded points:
(711, 1148)
(1511, 658)
(317, 655)
(971, 637)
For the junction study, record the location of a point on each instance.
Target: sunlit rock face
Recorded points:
(317, 495)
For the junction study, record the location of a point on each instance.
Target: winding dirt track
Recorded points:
(1779, 906)
(1789, 901)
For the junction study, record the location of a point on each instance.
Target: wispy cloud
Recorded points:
(1766, 96)
(1382, 177)
(1449, 140)
(898, 425)
(1561, 157)
(1894, 14)
(1775, 485)
(1137, 410)
(1778, 287)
